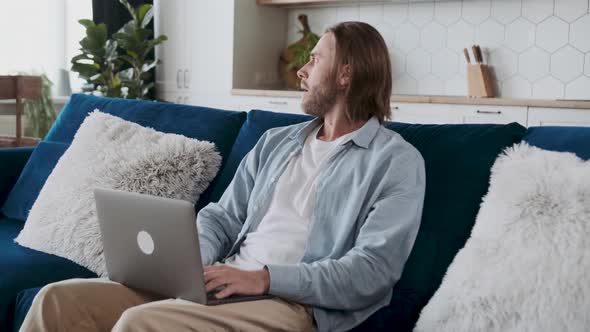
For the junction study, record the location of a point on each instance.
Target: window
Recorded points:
(41, 36)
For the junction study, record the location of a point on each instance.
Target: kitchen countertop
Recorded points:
(561, 103)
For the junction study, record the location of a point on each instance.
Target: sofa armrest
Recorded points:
(12, 162)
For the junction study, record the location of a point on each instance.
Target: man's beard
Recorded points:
(320, 100)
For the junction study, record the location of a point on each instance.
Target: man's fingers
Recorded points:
(213, 284)
(212, 268)
(227, 291)
(210, 275)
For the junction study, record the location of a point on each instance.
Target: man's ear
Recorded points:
(344, 76)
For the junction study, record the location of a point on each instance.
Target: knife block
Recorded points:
(479, 81)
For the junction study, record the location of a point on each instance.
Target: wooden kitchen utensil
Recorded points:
(479, 79)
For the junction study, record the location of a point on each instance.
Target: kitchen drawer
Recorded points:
(423, 113)
(275, 104)
(491, 114)
(558, 117)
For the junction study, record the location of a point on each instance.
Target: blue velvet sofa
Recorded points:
(458, 161)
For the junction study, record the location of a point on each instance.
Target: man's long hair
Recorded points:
(362, 47)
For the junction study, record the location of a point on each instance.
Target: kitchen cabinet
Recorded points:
(424, 113)
(196, 60)
(275, 104)
(172, 19)
(540, 116)
(491, 114)
(449, 113)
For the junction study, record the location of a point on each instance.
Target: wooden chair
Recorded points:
(19, 87)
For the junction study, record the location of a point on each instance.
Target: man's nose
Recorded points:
(301, 73)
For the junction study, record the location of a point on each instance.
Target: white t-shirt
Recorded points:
(281, 235)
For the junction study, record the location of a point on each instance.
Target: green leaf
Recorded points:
(130, 60)
(145, 14)
(86, 23)
(78, 57)
(126, 74)
(99, 78)
(149, 66)
(85, 70)
(129, 8)
(147, 18)
(128, 28)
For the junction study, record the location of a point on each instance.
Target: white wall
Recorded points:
(540, 48)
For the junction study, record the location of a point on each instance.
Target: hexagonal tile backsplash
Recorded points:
(539, 48)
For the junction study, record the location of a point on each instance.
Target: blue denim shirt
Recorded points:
(365, 219)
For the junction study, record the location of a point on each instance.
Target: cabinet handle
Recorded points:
(272, 102)
(178, 72)
(489, 112)
(186, 78)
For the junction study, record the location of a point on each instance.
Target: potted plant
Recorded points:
(40, 112)
(297, 54)
(119, 66)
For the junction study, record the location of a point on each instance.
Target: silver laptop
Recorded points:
(151, 244)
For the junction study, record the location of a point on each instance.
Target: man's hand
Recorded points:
(236, 281)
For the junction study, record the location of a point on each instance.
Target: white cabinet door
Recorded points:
(169, 96)
(424, 113)
(174, 19)
(211, 40)
(183, 57)
(450, 113)
(166, 23)
(558, 117)
(491, 114)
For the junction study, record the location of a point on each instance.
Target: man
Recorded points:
(322, 215)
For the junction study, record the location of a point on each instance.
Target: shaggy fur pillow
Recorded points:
(526, 266)
(109, 152)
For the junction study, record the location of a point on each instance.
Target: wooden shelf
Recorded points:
(460, 100)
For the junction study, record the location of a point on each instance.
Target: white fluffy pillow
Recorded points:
(526, 266)
(109, 152)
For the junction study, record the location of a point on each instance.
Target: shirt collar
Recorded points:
(362, 137)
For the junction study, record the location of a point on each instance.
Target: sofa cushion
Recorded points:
(12, 162)
(22, 268)
(564, 139)
(458, 159)
(32, 178)
(216, 126)
(525, 266)
(22, 304)
(109, 152)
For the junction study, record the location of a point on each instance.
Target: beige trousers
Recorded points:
(103, 305)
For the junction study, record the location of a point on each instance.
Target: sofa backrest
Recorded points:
(217, 126)
(458, 161)
(564, 139)
(256, 124)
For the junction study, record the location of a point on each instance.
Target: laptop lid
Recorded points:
(151, 243)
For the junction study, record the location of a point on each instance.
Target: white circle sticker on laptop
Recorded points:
(145, 242)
